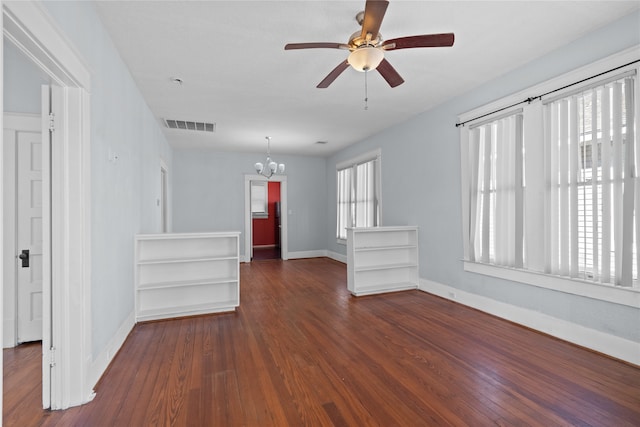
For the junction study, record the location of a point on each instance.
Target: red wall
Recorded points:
(264, 229)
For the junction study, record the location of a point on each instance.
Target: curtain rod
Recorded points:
(531, 99)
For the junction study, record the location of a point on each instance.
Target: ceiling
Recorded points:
(230, 56)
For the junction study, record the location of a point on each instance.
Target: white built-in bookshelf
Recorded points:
(382, 259)
(183, 274)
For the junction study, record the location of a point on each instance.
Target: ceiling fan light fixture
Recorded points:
(365, 58)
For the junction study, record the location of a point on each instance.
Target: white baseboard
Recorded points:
(336, 256)
(9, 332)
(611, 345)
(310, 254)
(307, 254)
(319, 254)
(294, 255)
(101, 362)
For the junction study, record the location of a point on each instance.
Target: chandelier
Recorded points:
(269, 167)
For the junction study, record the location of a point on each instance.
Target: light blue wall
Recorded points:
(209, 194)
(22, 81)
(421, 186)
(124, 193)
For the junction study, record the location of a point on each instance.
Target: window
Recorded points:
(259, 199)
(591, 184)
(358, 194)
(552, 187)
(496, 198)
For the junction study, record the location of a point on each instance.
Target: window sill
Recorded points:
(615, 294)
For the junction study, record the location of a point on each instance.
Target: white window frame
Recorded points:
(534, 208)
(260, 199)
(353, 163)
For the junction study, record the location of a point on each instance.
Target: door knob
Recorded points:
(24, 256)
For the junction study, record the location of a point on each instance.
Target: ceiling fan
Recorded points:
(367, 47)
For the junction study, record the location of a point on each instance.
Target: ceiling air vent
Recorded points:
(188, 125)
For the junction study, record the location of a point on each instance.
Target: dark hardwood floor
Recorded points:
(262, 253)
(300, 351)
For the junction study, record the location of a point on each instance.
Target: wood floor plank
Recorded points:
(301, 351)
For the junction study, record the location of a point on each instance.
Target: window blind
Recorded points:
(592, 184)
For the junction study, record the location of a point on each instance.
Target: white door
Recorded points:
(29, 236)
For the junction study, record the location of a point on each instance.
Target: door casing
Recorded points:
(248, 224)
(27, 25)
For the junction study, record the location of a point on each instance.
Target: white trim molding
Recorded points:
(307, 254)
(284, 216)
(45, 44)
(34, 32)
(1, 200)
(608, 344)
(337, 257)
(609, 293)
(101, 362)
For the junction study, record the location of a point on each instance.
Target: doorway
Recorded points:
(266, 220)
(23, 228)
(66, 209)
(278, 223)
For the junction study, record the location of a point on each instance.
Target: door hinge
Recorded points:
(52, 357)
(52, 122)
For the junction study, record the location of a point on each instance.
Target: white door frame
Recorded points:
(1, 206)
(28, 26)
(13, 122)
(163, 201)
(284, 241)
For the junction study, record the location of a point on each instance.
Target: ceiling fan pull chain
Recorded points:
(366, 92)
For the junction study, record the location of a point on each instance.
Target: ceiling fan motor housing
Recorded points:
(356, 40)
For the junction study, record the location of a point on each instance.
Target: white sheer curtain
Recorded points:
(344, 192)
(496, 196)
(365, 196)
(358, 196)
(592, 190)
